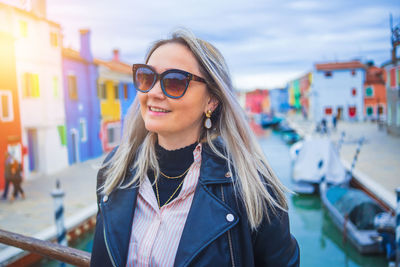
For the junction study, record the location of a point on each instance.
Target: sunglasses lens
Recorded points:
(144, 79)
(175, 84)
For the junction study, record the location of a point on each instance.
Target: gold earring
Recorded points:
(207, 122)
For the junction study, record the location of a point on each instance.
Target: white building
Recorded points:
(337, 90)
(39, 77)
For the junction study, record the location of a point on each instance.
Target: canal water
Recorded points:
(321, 244)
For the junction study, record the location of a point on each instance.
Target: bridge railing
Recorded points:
(46, 248)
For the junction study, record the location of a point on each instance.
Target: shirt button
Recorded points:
(105, 198)
(230, 217)
(228, 174)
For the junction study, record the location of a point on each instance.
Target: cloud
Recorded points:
(268, 41)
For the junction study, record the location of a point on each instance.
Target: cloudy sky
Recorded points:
(266, 43)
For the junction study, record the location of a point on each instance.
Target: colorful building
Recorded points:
(257, 101)
(114, 75)
(10, 124)
(279, 100)
(39, 79)
(375, 94)
(294, 94)
(299, 93)
(392, 69)
(338, 90)
(82, 105)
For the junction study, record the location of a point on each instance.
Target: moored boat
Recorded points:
(354, 212)
(317, 159)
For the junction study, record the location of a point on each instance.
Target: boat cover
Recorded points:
(360, 208)
(318, 158)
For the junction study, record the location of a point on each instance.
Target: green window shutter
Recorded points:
(62, 132)
(369, 91)
(370, 111)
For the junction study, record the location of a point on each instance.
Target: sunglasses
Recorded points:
(173, 82)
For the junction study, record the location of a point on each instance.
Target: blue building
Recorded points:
(279, 100)
(82, 106)
(127, 95)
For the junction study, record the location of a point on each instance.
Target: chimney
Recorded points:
(85, 51)
(38, 7)
(116, 55)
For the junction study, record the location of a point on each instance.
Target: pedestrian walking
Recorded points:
(334, 122)
(324, 126)
(7, 173)
(189, 184)
(16, 179)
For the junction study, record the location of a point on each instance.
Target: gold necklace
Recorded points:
(158, 196)
(175, 177)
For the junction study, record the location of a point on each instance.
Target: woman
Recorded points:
(189, 184)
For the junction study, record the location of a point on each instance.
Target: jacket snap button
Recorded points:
(228, 174)
(229, 217)
(105, 198)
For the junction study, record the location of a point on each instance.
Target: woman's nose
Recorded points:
(156, 91)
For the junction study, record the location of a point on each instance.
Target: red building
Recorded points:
(10, 124)
(375, 94)
(257, 101)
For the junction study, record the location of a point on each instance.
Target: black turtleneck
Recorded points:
(172, 163)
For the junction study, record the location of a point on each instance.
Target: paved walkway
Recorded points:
(35, 214)
(378, 164)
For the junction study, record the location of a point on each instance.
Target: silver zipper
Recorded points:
(229, 234)
(108, 249)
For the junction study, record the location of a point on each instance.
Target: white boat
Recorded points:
(317, 159)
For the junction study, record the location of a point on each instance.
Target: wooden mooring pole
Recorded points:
(46, 248)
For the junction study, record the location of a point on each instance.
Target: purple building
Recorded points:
(82, 106)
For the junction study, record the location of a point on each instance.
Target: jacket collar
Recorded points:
(214, 169)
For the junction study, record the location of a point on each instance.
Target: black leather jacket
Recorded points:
(216, 232)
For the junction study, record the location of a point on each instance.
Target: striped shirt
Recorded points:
(156, 232)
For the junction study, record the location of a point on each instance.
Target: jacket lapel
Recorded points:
(207, 219)
(118, 213)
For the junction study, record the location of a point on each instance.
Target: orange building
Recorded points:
(10, 123)
(375, 94)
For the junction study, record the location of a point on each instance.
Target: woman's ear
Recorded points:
(212, 103)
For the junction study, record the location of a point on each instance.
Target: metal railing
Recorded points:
(46, 248)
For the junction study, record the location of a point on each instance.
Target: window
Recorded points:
(101, 91)
(353, 91)
(6, 108)
(30, 85)
(56, 91)
(62, 132)
(82, 129)
(369, 91)
(328, 73)
(125, 91)
(116, 91)
(72, 88)
(23, 28)
(328, 111)
(54, 39)
(113, 133)
(369, 111)
(352, 111)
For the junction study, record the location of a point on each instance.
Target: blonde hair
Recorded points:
(242, 152)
